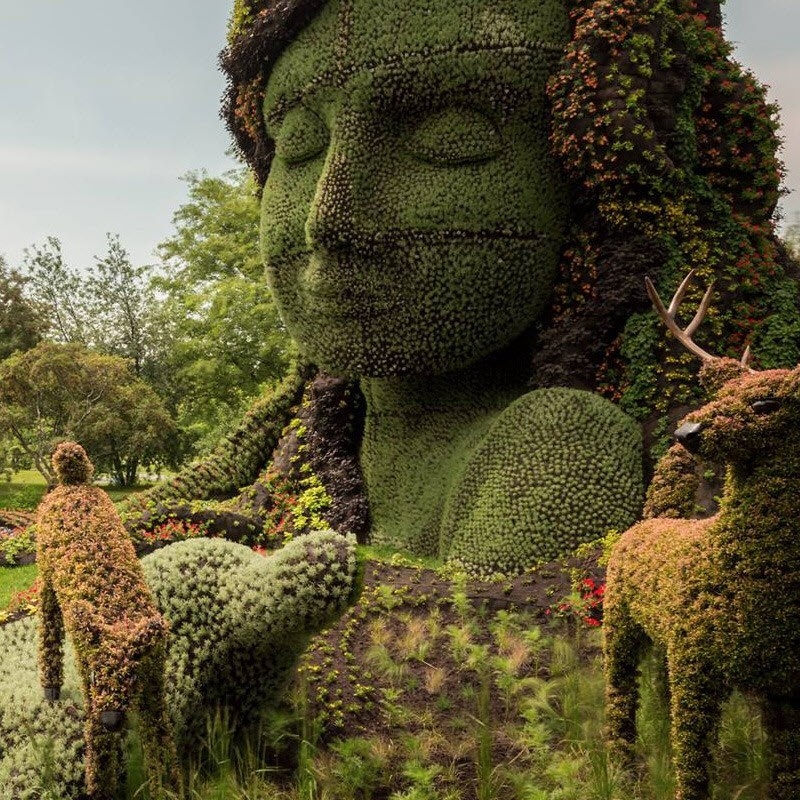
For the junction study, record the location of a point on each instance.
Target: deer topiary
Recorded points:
(92, 586)
(720, 596)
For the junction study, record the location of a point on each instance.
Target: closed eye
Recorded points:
(302, 136)
(457, 135)
(766, 406)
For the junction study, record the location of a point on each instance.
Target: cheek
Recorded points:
(285, 206)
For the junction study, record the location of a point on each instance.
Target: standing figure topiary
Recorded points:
(93, 586)
(720, 596)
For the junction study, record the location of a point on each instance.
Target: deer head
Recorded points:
(754, 416)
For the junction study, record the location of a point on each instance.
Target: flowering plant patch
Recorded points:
(15, 542)
(585, 604)
(173, 530)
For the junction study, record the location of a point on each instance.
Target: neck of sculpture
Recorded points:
(759, 522)
(471, 391)
(418, 434)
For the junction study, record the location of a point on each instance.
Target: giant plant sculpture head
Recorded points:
(412, 216)
(422, 155)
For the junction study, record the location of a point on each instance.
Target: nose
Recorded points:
(343, 185)
(330, 219)
(689, 435)
(112, 720)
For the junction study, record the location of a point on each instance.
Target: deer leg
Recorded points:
(696, 694)
(782, 721)
(51, 643)
(623, 641)
(155, 728)
(102, 757)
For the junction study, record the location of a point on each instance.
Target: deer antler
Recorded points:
(685, 336)
(668, 315)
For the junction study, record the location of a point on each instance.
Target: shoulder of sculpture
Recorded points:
(568, 415)
(556, 468)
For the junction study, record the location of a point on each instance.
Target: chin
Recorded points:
(383, 361)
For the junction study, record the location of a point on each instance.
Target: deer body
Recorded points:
(92, 586)
(720, 597)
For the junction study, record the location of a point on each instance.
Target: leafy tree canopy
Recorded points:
(108, 308)
(64, 391)
(227, 339)
(21, 320)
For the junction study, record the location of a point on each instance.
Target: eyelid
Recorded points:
(455, 135)
(300, 135)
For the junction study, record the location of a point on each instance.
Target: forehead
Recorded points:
(348, 35)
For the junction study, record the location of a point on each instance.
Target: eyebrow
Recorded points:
(339, 76)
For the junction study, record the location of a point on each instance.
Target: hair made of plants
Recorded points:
(459, 204)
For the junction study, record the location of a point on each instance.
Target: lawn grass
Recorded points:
(27, 487)
(13, 580)
(24, 491)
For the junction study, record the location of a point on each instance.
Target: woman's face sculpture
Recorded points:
(412, 218)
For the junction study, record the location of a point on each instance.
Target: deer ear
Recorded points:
(715, 374)
(85, 623)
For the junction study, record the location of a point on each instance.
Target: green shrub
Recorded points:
(240, 620)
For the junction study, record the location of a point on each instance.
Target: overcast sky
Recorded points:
(105, 104)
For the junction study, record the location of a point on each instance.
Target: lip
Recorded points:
(336, 287)
(339, 303)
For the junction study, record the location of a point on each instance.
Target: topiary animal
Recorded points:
(92, 586)
(239, 621)
(721, 596)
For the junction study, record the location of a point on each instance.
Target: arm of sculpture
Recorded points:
(235, 462)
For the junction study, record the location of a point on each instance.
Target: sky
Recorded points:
(106, 104)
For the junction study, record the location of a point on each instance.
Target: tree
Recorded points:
(227, 340)
(58, 289)
(109, 307)
(120, 296)
(21, 320)
(64, 391)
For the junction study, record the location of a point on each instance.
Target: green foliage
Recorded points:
(468, 193)
(415, 735)
(226, 342)
(673, 489)
(58, 391)
(23, 491)
(59, 290)
(21, 319)
(239, 621)
(581, 459)
(14, 580)
(107, 307)
(236, 460)
(577, 455)
(29, 724)
(409, 231)
(16, 542)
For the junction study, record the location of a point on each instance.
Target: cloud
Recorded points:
(47, 160)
